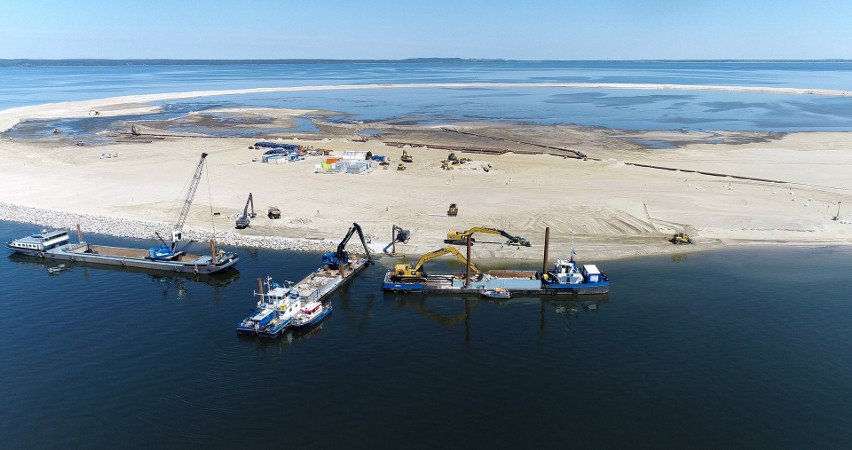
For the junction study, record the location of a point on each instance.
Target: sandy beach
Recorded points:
(611, 205)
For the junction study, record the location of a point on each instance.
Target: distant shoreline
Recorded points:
(49, 62)
(138, 104)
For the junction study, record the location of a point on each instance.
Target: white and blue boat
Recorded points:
(273, 314)
(311, 314)
(497, 293)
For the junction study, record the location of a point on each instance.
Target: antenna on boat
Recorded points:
(573, 252)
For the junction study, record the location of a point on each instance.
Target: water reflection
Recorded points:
(566, 308)
(64, 268)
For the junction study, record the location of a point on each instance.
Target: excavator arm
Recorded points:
(341, 256)
(455, 237)
(442, 252)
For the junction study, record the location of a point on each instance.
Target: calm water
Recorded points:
(725, 349)
(626, 109)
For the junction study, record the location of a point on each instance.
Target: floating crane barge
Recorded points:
(565, 278)
(55, 245)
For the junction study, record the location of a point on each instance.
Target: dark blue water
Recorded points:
(626, 109)
(717, 350)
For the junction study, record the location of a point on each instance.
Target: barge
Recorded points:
(304, 302)
(566, 278)
(56, 245)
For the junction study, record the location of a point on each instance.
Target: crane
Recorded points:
(245, 219)
(407, 274)
(460, 238)
(167, 251)
(340, 256)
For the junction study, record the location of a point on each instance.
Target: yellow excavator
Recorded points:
(460, 237)
(680, 238)
(406, 157)
(404, 273)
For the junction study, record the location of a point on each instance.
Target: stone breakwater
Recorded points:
(145, 230)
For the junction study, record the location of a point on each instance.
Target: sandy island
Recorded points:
(622, 201)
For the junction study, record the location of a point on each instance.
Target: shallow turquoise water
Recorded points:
(626, 109)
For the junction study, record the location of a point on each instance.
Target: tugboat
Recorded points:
(273, 314)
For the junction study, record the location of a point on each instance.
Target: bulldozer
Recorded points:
(406, 157)
(401, 166)
(404, 273)
(453, 210)
(460, 237)
(274, 212)
(680, 238)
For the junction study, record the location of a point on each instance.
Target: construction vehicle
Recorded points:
(340, 257)
(274, 212)
(397, 235)
(460, 237)
(453, 210)
(453, 158)
(406, 157)
(404, 273)
(680, 238)
(245, 219)
(400, 167)
(167, 250)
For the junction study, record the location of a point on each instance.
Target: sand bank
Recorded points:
(134, 104)
(609, 209)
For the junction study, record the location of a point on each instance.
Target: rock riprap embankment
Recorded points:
(145, 230)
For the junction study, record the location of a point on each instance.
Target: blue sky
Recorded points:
(281, 29)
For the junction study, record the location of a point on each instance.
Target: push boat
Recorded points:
(55, 244)
(274, 311)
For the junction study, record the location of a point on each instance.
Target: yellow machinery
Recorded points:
(680, 238)
(407, 274)
(460, 237)
(406, 157)
(400, 167)
(453, 211)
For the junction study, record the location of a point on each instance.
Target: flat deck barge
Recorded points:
(55, 245)
(567, 278)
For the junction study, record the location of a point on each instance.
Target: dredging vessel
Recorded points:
(566, 277)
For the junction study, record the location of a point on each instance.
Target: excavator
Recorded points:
(680, 238)
(460, 237)
(398, 234)
(340, 256)
(404, 273)
(245, 219)
(406, 157)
